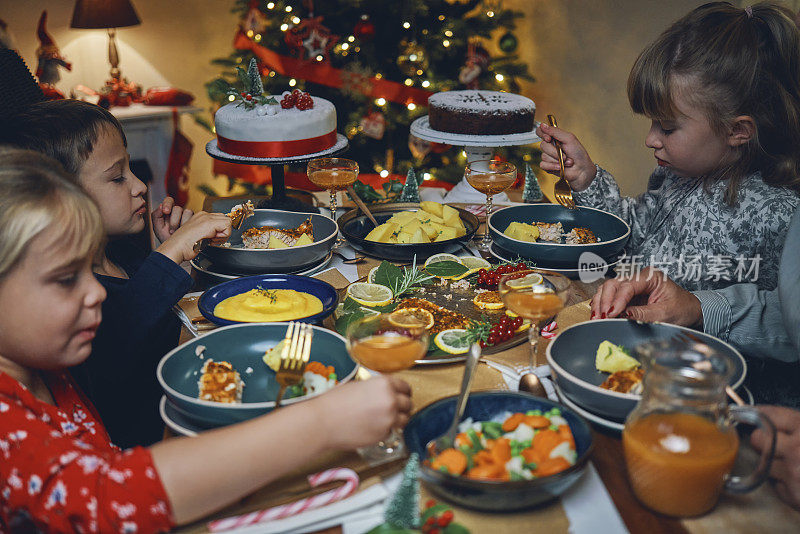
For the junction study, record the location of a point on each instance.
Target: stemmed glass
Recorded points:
(333, 174)
(381, 344)
(490, 177)
(535, 295)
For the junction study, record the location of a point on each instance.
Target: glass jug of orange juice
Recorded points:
(680, 442)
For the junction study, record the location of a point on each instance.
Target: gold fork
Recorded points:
(561, 190)
(296, 351)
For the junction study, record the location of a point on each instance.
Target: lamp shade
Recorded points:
(95, 14)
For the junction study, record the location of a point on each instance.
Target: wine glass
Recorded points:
(536, 295)
(490, 177)
(384, 344)
(333, 174)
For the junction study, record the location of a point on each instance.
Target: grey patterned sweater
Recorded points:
(701, 242)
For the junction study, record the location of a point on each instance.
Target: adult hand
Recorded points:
(579, 170)
(179, 247)
(649, 296)
(363, 413)
(785, 469)
(168, 217)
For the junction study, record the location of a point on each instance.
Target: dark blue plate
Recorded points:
(243, 346)
(612, 232)
(572, 353)
(433, 420)
(322, 290)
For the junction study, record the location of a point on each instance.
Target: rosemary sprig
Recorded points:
(410, 278)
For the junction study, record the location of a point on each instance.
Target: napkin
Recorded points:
(189, 314)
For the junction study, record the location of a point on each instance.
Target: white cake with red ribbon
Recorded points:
(295, 124)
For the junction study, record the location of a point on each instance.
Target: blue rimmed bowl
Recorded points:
(572, 354)
(612, 232)
(243, 346)
(488, 495)
(322, 290)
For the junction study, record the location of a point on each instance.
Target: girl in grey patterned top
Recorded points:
(722, 88)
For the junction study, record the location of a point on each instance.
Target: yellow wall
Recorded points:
(580, 51)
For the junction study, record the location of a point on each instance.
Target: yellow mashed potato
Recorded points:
(268, 305)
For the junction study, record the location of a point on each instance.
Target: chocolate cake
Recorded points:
(480, 112)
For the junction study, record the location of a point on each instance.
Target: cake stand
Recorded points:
(279, 200)
(477, 147)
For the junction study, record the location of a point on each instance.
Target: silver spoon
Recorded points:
(530, 383)
(448, 438)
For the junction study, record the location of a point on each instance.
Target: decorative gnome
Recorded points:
(50, 60)
(410, 189)
(402, 514)
(531, 192)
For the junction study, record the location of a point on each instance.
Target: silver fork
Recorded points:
(561, 190)
(295, 355)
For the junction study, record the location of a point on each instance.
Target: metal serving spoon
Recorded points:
(530, 383)
(448, 439)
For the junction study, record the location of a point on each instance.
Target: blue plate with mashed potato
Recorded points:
(243, 347)
(268, 298)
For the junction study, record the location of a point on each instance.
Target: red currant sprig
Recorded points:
(503, 330)
(298, 99)
(436, 524)
(489, 279)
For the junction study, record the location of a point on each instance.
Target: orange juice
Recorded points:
(491, 183)
(677, 461)
(333, 179)
(388, 353)
(533, 306)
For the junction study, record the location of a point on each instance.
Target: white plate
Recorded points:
(594, 418)
(421, 128)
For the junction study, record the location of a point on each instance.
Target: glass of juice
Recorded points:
(490, 178)
(387, 343)
(333, 174)
(536, 295)
(680, 442)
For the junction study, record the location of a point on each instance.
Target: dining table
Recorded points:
(603, 502)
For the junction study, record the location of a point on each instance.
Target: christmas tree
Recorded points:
(378, 62)
(411, 188)
(531, 192)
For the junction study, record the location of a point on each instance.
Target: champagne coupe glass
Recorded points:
(490, 177)
(385, 345)
(333, 174)
(535, 295)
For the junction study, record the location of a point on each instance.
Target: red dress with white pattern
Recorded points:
(60, 473)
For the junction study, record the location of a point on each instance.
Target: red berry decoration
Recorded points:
(286, 103)
(248, 97)
(429, 503)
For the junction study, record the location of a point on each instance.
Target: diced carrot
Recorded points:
(462, 439)
(532, 456)
(565, 432)
(501, 450)
(537, 421)
(511, 424)
(453, 460)
(545, 441)
(551, 466)
(319, 368)
(482, 457)
(487, 471)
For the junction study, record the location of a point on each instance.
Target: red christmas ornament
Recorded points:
(364, 28)
(311, 39)
(373, 125)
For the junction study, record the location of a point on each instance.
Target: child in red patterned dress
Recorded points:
(59, 471)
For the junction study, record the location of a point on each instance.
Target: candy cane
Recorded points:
(280, 512)
(548, 332)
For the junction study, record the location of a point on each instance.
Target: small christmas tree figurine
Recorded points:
(532, 192)
(411, 189)
(403, 510)
(256, 87)
(252, 93)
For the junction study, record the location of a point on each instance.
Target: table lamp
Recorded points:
(108, 14)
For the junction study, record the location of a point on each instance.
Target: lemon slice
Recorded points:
(368, 294)
(411, 318)
(371, 275)
(489, 300)
(466, 274)
(530, 280)
(436, 258)
(473, 263)
(453, 341)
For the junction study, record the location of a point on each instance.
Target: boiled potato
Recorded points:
(304, 239)
(404, 237)
(420, 237)
(522, 231)
(430, 231)
(382, 232)
(447, 233)
(434, 208)
(274, 242)
(402, 217)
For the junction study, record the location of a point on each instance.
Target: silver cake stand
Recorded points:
(477, 147)
(279, 200)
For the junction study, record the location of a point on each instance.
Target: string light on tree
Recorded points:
(412, 58)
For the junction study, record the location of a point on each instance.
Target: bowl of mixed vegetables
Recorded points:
(513, 450)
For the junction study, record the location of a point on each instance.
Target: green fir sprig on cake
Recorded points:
(252, 93)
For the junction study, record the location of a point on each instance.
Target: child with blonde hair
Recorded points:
(722, 89)
(59, 471)
(139, 325)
